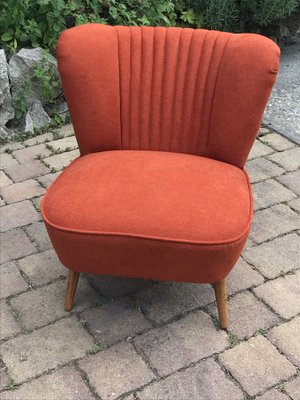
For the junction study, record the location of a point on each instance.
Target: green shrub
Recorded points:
(31, 23)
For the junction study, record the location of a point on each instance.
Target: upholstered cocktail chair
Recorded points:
(165, 119)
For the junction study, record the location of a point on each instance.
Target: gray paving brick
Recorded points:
(272, 394)
(64, 384)
(286, 338)
(270, 192)
(4, 378)
(295, 204)
(270, 366)
(11, 280)
(260, 169)
(29, 170)
(37, 231)
(180, 343)
(282, 294)
(116, 320)
(203, 381)
(42, 267)
(117, 370)
(4, 180)
(21, 191)
(259, 149)
(293, 389)
(6, 160)
(17, 215)
(47, 179)
(46, 304)
(9, 250)
(242, 276)
(45, 137)
(66, 130)
(247, 315)
(166, 300)
(9, 326)
(292, 181)
(32, 354)
(31, 153)
(115, 286)
(272, 222)
(2, 202)
(11, 147)
(60, 161)
(65, 144)
(277, 141)
(288, 159)
(278, 256)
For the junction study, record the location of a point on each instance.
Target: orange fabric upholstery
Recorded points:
(125, 203)
(165, 119)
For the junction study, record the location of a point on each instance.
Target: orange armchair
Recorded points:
(165, 119)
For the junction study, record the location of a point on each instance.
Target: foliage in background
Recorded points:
(31, 23)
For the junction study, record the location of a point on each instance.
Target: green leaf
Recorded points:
(6, 37)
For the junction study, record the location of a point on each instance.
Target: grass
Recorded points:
(96, 348)
(233, 340)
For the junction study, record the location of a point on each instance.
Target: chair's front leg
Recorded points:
(73, 277)
(221, 296)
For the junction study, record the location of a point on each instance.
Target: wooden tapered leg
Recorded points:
(73, 277)
(221, 296)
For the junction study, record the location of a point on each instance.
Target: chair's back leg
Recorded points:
(221, 296)
(73, 277)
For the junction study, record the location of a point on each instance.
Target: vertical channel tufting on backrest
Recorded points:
(167, 83)
(170, 89)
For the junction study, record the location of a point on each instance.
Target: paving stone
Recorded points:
(66, 130)
(37, 204)
(21, 191)
(60, 161)
(272, 394)
(116, 370)
(2, 202)
(295, 204)
(46, 180)
(9, 250)
(270, 192)
(272, 222)
(286, 337)
(242, 277)
(45, 137)
(282, 294)
(64, 384)
(247, 315)
(11, 280)
(11, 147)
(31, 153)
(29, 170)
(288, 159)
(278, 256)
(31, 354)
(260, 169)
(17, 215)
(180, 343)
(41, 268)
(114, 321)
(204, 381)
(256, 365)
(38, 232)
(292, 181)
(161, 302)
(115, 286)
(6, 160)
(65, 144)
(293, 389)
(4, 378)
(9, 326)
(46, 304)
(277, 141)
(259, 149)
(4, 180)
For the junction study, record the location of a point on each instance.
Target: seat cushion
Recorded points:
(149, 214)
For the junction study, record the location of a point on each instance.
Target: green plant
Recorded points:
(10, 386)
(21, 100)
(233, 340)
(46, 76)
(96, 348)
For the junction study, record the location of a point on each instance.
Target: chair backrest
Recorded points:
(170, 89)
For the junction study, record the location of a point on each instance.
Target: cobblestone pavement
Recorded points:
(135, 339)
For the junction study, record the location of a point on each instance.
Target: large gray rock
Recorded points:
(21, 70)
(36, 117)
(6, 134)
(6, 108)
